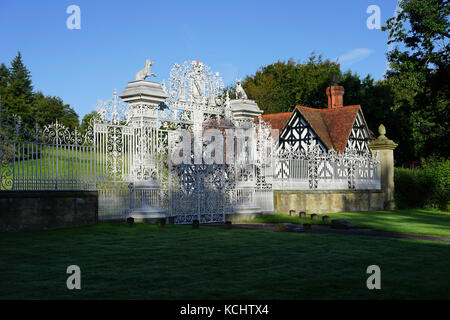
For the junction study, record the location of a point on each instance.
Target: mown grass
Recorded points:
(178, 262)
(49, 162)
(42, 165)
(427, 222)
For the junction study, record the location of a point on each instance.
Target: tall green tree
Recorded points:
(419, 72)
(4, 82)
(86, 122)
(376, 99)
(20, 78)
(4, 76)
(48, 109)
(280, 86)
(17, 96)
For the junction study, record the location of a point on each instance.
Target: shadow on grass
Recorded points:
(179, 262)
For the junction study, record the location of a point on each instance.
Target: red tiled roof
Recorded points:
(333, 126)
(339, 122)
(276, 120)
(316, 121)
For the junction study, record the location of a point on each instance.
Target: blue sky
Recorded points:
(234, 38)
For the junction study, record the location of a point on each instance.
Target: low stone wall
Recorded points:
(328, 201)
(37, 210)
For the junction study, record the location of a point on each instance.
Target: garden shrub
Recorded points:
(413, 188)
(439, 169)
(426, 186)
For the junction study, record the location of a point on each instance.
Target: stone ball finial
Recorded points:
(382, 142)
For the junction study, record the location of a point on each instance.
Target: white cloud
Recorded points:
(354, 56)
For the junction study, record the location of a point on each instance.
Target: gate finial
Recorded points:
(145, 73)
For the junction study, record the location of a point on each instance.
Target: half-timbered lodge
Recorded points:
(336, 127)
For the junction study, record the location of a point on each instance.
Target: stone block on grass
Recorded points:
(130, 221)
(195, 224)
(161, 223)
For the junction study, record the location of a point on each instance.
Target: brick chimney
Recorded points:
(335, 97)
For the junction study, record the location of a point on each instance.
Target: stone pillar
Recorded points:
(144, 97)
(244, 112)
(384, 148)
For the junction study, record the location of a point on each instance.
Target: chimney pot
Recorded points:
(335, 97)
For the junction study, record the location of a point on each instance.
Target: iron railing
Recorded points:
(320, 170)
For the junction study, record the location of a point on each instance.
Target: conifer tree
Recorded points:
(18, 95)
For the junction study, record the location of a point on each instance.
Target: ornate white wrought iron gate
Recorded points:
(136, 142)
(130, 153)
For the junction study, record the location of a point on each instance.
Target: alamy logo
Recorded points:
(374, 281)
(216, 146)
(374, 21)
(74, 280)
(74, 20)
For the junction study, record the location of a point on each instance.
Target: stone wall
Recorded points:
(37, 210)
(328, 201)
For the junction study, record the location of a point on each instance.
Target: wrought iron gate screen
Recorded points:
(126, 153)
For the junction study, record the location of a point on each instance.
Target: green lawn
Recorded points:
(428, 222)
(178, 262)
(47, 163)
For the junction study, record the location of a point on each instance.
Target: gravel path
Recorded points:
(321, 229)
